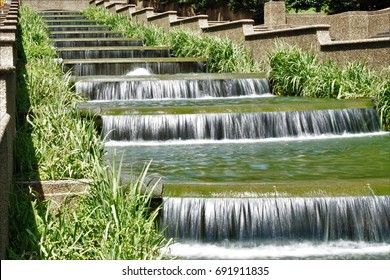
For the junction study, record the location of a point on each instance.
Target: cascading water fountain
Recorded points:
(172, 86)
(246, 175)
(261, 125)
(262, 220)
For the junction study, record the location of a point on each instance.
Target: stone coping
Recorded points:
(189, 19)
(285, 31)
(162, 15)
(230, 24)
(111, 4)
(124, 8)
(385, 41)
(142, 11)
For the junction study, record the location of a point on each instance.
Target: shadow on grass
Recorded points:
(24, 236)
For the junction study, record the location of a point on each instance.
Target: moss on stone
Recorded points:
(360, 187)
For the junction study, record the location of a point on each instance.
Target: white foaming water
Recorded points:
(139, 72)
(113, 143)
(302, 250)
(231, 125)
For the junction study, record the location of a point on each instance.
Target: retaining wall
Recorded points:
(8, 22)
(348, 25)
(343, 37)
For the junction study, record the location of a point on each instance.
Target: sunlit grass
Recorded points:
(53, 141)
(300, 73)
(222, 54)
(113, 220)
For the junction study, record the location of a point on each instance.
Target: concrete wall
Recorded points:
(194, 23)
(235, 30)
(374, 52)
(70, 5)
(164, 19)
(6, 135)
(8, 24)
(306, 37)
(343, 37)
(348, 25)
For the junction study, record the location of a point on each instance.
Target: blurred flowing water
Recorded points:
(218, 128)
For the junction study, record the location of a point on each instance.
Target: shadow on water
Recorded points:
(24, 236)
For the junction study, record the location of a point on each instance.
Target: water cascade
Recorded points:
(245, 175)
(84, 34)
(73, 19)
(95, 42)
(239, 126)
(64, 28)
(120, 66)
(111, 52)
(70, 21)
(262, 220)
(169, 87)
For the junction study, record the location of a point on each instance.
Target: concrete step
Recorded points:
(58, 13)
(63, 17)
(63, 28)
(95, 42)
(85, 34)
(71, 22)
(113, 52)
(121, 66)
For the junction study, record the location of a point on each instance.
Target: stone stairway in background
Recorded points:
(123, 78)
(240, 168)
(144, 96)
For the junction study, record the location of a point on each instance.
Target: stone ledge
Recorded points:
(147, 11)
(286, 31)
(382, 41)
(56, 188)
(228, 25)
(61, 189)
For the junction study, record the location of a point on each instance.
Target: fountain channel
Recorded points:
(246, 175)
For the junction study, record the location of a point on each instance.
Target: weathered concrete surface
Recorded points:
(5, 179)
(56, 191)
(61, 190)
(8, 22)
(343, 37)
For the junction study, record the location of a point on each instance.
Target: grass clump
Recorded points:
(53, 141)
(113, 220)
(299, 73)
(222, 54)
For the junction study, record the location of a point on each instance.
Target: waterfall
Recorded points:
(256, 125)
(111, 67)
(283, 219)
(84, 34)
(112, 53)
(96, 42)
(159, 89)
(67, 22)
(78, 28)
